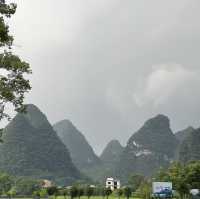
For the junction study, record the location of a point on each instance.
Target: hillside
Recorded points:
(181, 135)
(81, 152)
(112, 152)
(151, 147)
(32, 148)
(190, 147)
(110, 159)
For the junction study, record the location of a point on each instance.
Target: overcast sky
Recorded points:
(108, 65)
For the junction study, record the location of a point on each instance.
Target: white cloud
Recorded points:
(162, 83)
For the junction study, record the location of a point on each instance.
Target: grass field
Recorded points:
(83, 197)
(98, 197)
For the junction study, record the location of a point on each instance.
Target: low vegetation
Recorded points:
(183, 177)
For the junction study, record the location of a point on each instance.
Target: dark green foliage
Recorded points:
(119, 193)
(148, 149)
(52, 191)
(127, 192)
(12, 186)
(6, 183)
(65, 192)
(89, 191)
(73, 192)
(183, 177)
(6, 10)
(135, 181)
(43, 193)
(190, 148)
(193, 175)
(108, 192)
(26, 186)
(11, 193)
(32, 148)
(145, 190)
(80, 192)
(177, 175)
(81, 152)
(13, 84)
(100, 191)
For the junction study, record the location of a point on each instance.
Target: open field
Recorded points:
(83, 197)
(98, 197)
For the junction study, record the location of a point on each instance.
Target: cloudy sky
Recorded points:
(108, 65)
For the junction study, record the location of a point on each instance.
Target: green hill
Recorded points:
(81, 152)
(190, 147)
(32, 148)
(181, 135)
(151, 147)
(112, 152)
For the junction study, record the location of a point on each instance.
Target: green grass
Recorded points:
(83, 197)
(98, 197)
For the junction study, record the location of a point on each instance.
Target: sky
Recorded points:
(108, 66)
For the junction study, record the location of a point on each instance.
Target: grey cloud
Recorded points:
(92, 59)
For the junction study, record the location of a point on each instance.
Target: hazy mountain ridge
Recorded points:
(109, 160)
(112, 152)
(81, 152)
(155, 136)
(32, 148)
(151, 147)
(189, 149)
(181, 135)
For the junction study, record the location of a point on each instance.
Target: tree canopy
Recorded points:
(183, 177)
(13, 84)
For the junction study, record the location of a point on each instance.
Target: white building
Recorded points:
(112, 183)
(47, 184)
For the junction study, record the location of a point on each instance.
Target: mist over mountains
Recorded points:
(33, 147)
(81, 152)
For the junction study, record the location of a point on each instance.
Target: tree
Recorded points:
(127, 192)
(80, 192)
(6, 183)
(52, 191)
(89, 191)
(101, 191)
(183, 177)
(192, 171)
(36, 194)
(119, 193)
(135, 181)
(43, 193)
(26, 186)
(73, 192)
(63, 192)
(11, 193)
(108, 192)
(13, 84)
(145, 190)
